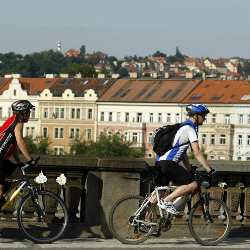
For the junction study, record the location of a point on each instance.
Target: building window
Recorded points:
(27, 131)
(45, 113)
(45, 132)
(238, 158)
(222, 158)
(1, 112)
(90, 114)
(227, 119)
(58, 151)
(150, 137)
(240, 119)
(168, 117)
(61, 132)
(160, 117)
(73, 113)
(110, 116)
(151, 117)
(56, 133)
(127, 117)
(177, 117)
(248, 158)
(72, 133)
(32, 131)
(57, 112)
(33, 112)
(222, 139)
(248, 121)
(14, 94)
(211, 157)
(125, 136)
(134, 137)
(118, 116)
(248, 140)
(89, 134)
(212, 139)
(204, 137)
(102, 116)
(239, 140)
(62, 112)
(77, 133)
(213, 118)
(78, 114)
(139, 117)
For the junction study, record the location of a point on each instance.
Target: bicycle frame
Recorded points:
(24, 183)
(156, 192)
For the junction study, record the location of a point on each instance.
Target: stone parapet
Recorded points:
(96, 184)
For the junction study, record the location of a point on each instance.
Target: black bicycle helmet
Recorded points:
(21, 105)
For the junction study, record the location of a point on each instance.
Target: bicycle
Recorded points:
(42, 216)
(209, 219)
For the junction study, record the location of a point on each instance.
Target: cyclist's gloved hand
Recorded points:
(31, 163)
(20, 164)
(211, 172)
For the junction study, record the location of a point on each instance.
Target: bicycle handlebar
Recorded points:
(27, 165)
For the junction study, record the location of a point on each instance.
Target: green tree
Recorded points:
(159, 54)
(38, 144)
(106, 146)
(86, 69)
(123, 72)
(103, 70)
(82, 49)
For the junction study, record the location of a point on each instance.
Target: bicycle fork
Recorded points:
(205, 207)
(37, 206)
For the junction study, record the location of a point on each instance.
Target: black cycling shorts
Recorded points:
(172, 171)
(6, 168)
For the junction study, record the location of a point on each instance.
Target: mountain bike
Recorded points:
(42, 216)
(209, 219)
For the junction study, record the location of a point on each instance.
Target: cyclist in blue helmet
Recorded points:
(168, 164)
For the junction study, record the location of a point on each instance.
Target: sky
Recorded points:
(200, 28)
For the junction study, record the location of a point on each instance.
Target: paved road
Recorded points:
(93, 243)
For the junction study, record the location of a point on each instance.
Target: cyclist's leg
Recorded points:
(160, 180)
(13, 171)
(179, 175)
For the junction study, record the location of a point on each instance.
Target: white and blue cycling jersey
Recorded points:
(185, 134)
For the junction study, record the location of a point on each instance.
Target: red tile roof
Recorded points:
(220, 91)
(79, 85)
(148, 90)
(31, 85)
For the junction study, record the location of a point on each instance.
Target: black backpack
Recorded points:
(163, 138)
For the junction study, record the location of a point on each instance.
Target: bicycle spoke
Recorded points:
(210, 226)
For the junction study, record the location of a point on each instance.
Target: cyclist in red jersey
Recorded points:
(11, 136)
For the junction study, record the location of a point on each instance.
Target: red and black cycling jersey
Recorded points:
(7, 137)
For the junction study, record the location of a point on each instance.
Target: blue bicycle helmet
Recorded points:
(197, 108)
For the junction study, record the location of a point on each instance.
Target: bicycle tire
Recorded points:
(52, 226)
(206, 232)
(121, 220)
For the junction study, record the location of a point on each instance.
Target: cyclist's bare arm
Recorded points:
(200, 156)
(20, 141)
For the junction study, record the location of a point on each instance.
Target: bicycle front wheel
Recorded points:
(125, 220)
(42, 220)
(210, 226)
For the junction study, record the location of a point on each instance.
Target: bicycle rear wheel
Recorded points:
(210, 232)
(124, 225)
(51, 226)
